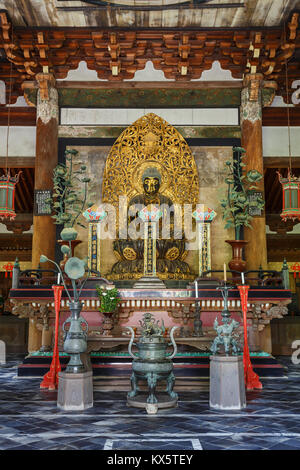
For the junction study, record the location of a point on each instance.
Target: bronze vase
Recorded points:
(237, 263)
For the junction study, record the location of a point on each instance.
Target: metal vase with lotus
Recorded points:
(75, 338)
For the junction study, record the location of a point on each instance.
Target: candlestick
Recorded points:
(225, 273)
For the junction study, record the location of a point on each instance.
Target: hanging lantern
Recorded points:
(290, 197)
(8, 269)
(7, 195)
(291, 184)
(296, 269)
(8, 182)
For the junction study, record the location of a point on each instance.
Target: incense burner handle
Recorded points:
(170, 356)
(131, 343)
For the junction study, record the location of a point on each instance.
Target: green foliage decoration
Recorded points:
(109, 299)
(237, 204)
(67, 201)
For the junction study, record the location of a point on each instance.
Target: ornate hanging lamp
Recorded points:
(290, 197)
(8, 182)
(7, 195)
(290, 184)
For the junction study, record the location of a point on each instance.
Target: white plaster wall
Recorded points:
(279, 103)
(149, 74)
(20, 102)
(276, 141)
(294, 97)
(122, 116)
(82, 73)
(216, 74)
(21, 141)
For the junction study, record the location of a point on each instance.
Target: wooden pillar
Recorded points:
(44, 230)
(251, 127)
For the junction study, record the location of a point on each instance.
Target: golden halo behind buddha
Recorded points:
(150, 142)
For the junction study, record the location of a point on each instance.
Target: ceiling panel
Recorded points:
(143, 13)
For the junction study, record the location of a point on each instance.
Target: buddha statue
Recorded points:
(170, 247)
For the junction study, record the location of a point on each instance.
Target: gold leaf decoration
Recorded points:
(150, 142)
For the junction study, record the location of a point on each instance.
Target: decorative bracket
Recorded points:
(45, 81)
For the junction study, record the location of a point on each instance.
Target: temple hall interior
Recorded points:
(149, 225)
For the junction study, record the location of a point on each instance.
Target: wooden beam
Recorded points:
(283, 246)
(281, 162)
(140, 85)
(14, 246)
(17, 162)
(277, 116)
(18, 116)
(11, 255)
(170, 97)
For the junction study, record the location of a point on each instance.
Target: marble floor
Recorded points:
(29, 419)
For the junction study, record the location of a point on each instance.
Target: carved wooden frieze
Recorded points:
(117, 55)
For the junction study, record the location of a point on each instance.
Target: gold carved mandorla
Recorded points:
(150, 142)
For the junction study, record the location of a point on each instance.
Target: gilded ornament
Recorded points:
(129, 253)
(184, 255)
(150, 142)
(117, 255)
(172, 253)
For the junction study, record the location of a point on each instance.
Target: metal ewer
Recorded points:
(75, 338)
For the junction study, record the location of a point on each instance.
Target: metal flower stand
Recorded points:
(75, 384)
(227, 386)
(75, 391)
